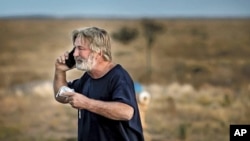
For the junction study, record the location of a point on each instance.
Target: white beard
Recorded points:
(86, 64)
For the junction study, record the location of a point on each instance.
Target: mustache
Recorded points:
(80, 59)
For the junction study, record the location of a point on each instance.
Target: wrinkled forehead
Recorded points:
(81, 40)
(78, 40)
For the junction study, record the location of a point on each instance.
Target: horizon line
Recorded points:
(77, 16)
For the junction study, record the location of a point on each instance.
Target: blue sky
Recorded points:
(127, 8)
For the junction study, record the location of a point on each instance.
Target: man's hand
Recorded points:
(60, 62)
(76, 100)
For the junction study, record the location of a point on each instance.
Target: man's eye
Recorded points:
(81, 48)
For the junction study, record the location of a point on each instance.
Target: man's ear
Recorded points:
(100, 54)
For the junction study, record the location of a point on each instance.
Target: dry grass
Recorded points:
(196, 115)
(209, 56)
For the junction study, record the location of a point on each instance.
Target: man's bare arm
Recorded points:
(113, 110)
(59, 81)
(60, 76)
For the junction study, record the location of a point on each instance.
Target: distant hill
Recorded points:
(42, 16)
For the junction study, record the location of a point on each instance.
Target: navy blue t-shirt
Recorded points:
(118, 86)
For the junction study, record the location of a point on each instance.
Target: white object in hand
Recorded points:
(62, 90)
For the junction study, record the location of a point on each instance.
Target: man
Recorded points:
(104, 95)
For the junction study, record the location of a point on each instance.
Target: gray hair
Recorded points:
(99, 40)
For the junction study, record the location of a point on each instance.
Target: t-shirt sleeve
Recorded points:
(77, 83)
(73, 84)
(124, 92)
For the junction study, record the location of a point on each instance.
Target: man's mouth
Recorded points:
(79, 61)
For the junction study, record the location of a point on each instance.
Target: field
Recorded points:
(199, 82)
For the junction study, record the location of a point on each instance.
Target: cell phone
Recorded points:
(70, 62)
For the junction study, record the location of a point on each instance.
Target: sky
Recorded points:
(126, 8)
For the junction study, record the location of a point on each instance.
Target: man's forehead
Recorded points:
(80, 40)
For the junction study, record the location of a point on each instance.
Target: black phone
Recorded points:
(70, 62)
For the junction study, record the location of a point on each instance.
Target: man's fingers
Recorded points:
(59, 60)
(68, 93)
(66, 54)
(62, 58)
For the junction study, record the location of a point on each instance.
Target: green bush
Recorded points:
(125, 35)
